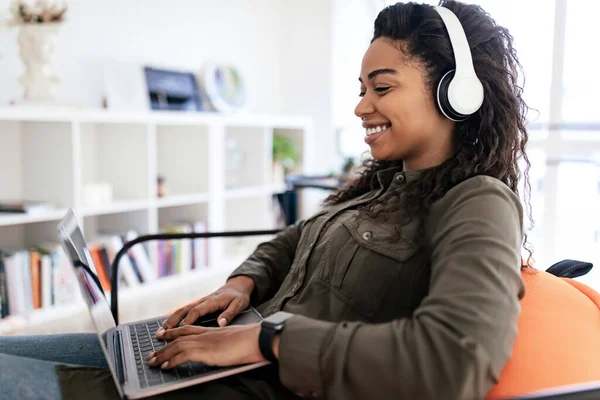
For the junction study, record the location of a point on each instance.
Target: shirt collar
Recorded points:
(383, 178)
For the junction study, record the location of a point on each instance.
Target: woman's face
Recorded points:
(400, 118)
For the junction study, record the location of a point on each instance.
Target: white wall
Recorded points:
(180, 33)
(307, 69)
(282, 47)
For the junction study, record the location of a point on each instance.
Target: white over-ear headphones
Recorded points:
(459, 92)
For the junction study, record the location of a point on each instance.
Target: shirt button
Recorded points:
(400, 178)
(367, 235)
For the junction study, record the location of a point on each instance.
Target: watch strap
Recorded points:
(265, 342)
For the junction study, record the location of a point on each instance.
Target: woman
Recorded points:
(407, 283)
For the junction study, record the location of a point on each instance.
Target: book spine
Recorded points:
(36, 279)
(3, 289)
(100, 269)
(46, 273)
(106, 261)
(138, 252)
(13, 279)
(27, 281)
(125, 263)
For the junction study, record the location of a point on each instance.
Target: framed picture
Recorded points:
(224, 87)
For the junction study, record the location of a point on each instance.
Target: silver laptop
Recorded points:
(126, 346)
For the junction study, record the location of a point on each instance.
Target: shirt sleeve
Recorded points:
(457, 341)
(270, 263)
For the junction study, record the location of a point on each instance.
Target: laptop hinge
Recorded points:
(119, 364)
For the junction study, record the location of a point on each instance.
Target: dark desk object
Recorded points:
(288, 200)
(172, 90)
(325, 182)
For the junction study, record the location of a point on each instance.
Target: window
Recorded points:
(534, 47)
(578, 222)
(580, 80)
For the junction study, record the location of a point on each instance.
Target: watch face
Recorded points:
(278, 318)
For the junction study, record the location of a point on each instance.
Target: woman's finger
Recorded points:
(234, 308)
(169, 351)
(176, 341)
(193, 354)
(170, 334)
(215, 304)
(174, 319)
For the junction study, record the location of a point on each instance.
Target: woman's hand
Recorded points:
(233, 297)
(231, 345)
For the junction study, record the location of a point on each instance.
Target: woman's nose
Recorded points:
(364, 107)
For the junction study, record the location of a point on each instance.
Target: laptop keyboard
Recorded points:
(144, 342)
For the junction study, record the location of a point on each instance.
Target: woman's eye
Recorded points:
(377, 89)
(382, 89)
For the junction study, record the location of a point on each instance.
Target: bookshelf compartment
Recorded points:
(182, 213)
(116, 154)
(183, 255)
(116, 223)
(36, 162)
(182, 153)
(297, 139)
(247, 153)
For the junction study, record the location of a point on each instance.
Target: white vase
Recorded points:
(37, 43)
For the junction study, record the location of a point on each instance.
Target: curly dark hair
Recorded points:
(490, 142)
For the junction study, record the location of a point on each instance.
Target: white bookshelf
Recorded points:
(51, 155)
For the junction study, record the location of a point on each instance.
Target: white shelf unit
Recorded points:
(52, 156)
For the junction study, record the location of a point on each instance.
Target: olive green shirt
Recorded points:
(378, 317)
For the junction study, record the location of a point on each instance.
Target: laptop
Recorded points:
(126, 346)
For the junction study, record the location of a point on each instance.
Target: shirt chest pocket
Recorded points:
(369, 262)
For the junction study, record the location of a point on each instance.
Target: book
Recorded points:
(112, 244)
(124, 263)
(106, 261)
(36, 279)
(46, 275)
(140, 256)
(100, 268)
(3, 289)
(25, 267)
(14, 283)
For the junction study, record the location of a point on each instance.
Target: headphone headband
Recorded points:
(460, 92)
(458, 39)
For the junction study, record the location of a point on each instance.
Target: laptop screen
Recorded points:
(87, 277)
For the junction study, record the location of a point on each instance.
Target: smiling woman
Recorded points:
(406, 284)
(395, 96)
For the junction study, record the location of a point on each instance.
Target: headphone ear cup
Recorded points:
(444, 101)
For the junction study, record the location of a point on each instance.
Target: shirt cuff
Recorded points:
(300, 350)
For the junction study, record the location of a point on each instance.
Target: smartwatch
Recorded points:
(269, 327)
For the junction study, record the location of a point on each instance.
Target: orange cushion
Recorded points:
(558, 341)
